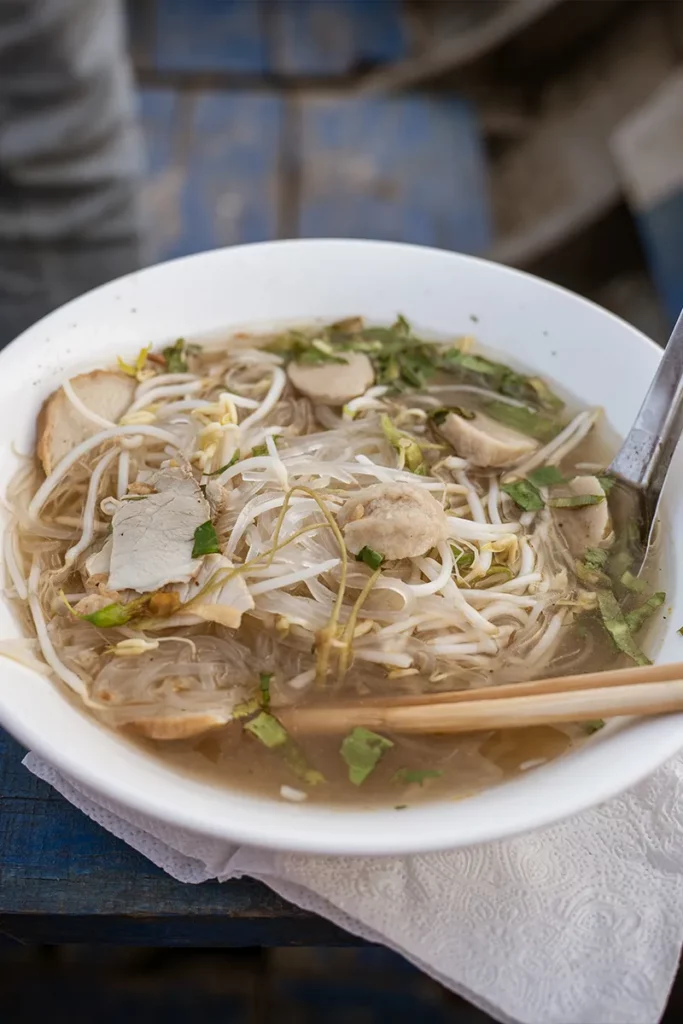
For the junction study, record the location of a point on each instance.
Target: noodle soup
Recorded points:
(213, 536)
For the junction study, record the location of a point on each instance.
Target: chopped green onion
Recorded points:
(205, 540)
(175, 357)
(372, 558)
(607, 483)
(403, 443)
(362, 750)
(524, 494)
(593, 726)
(259, 449)
(618, 628)
(636, 619)
(462, 557)
(545, 476)
(576, 501)
(415, 775)
(264, 687)
(111, 615)
(228, 465)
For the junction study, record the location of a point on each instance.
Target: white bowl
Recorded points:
(591, 353)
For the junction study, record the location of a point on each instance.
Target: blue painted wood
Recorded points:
(229, 193)
(212, 169)
(405, 169)
(210, 35)
(326, 38)
(65, 879)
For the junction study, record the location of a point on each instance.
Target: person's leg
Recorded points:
(70, 155)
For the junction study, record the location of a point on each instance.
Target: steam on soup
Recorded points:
(210, 535)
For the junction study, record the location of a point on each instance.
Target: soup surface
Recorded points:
(214, 544)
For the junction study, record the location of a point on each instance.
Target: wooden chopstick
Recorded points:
(651, 690)
(506, 713)
(555, 684)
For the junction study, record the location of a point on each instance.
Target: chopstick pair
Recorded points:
(650, 690)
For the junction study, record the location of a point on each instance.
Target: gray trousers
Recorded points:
(70, 155)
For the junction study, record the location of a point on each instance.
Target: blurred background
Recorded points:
(546, 134)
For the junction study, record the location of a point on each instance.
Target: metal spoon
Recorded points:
(641, 465)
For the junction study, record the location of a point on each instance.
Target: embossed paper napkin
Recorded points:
(581, 922)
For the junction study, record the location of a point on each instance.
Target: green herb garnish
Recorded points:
(415, 775)
(593, 726)
(463, 558)
(592, 577)
(205, 540)
(246, 708)
(318, 356)
(618, 628)
(524, 494)
(607, 483)
(595, 558)
(545, 476)
(175, 357)
(114, 614)
(636, 618)
(525, 420)
(632, 583)
(228, 465)
(264, 687)
(362, 750)
(266, 728)
(576, 501)
(372, 558)
(406, 446)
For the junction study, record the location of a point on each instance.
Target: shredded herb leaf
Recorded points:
(266, 728)
(269, 731)
(637, 618)
(596, 558)
(593, 726)
(205, 540)
(607, 483)
(362, 750)
(264, 687)
(415, 775)
(175, 357)
(545, 476)
(576, 501)
(318, 356)
(592, 577)
(524, 494)
(618, 628)
(526, 421)
(373, 559)
(632, 583)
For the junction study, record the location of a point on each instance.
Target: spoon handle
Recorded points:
(644, 457)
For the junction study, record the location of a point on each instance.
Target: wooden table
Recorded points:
(64, 879)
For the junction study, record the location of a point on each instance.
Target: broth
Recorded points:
(260, 544)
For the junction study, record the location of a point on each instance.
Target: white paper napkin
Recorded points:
(580, 923)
